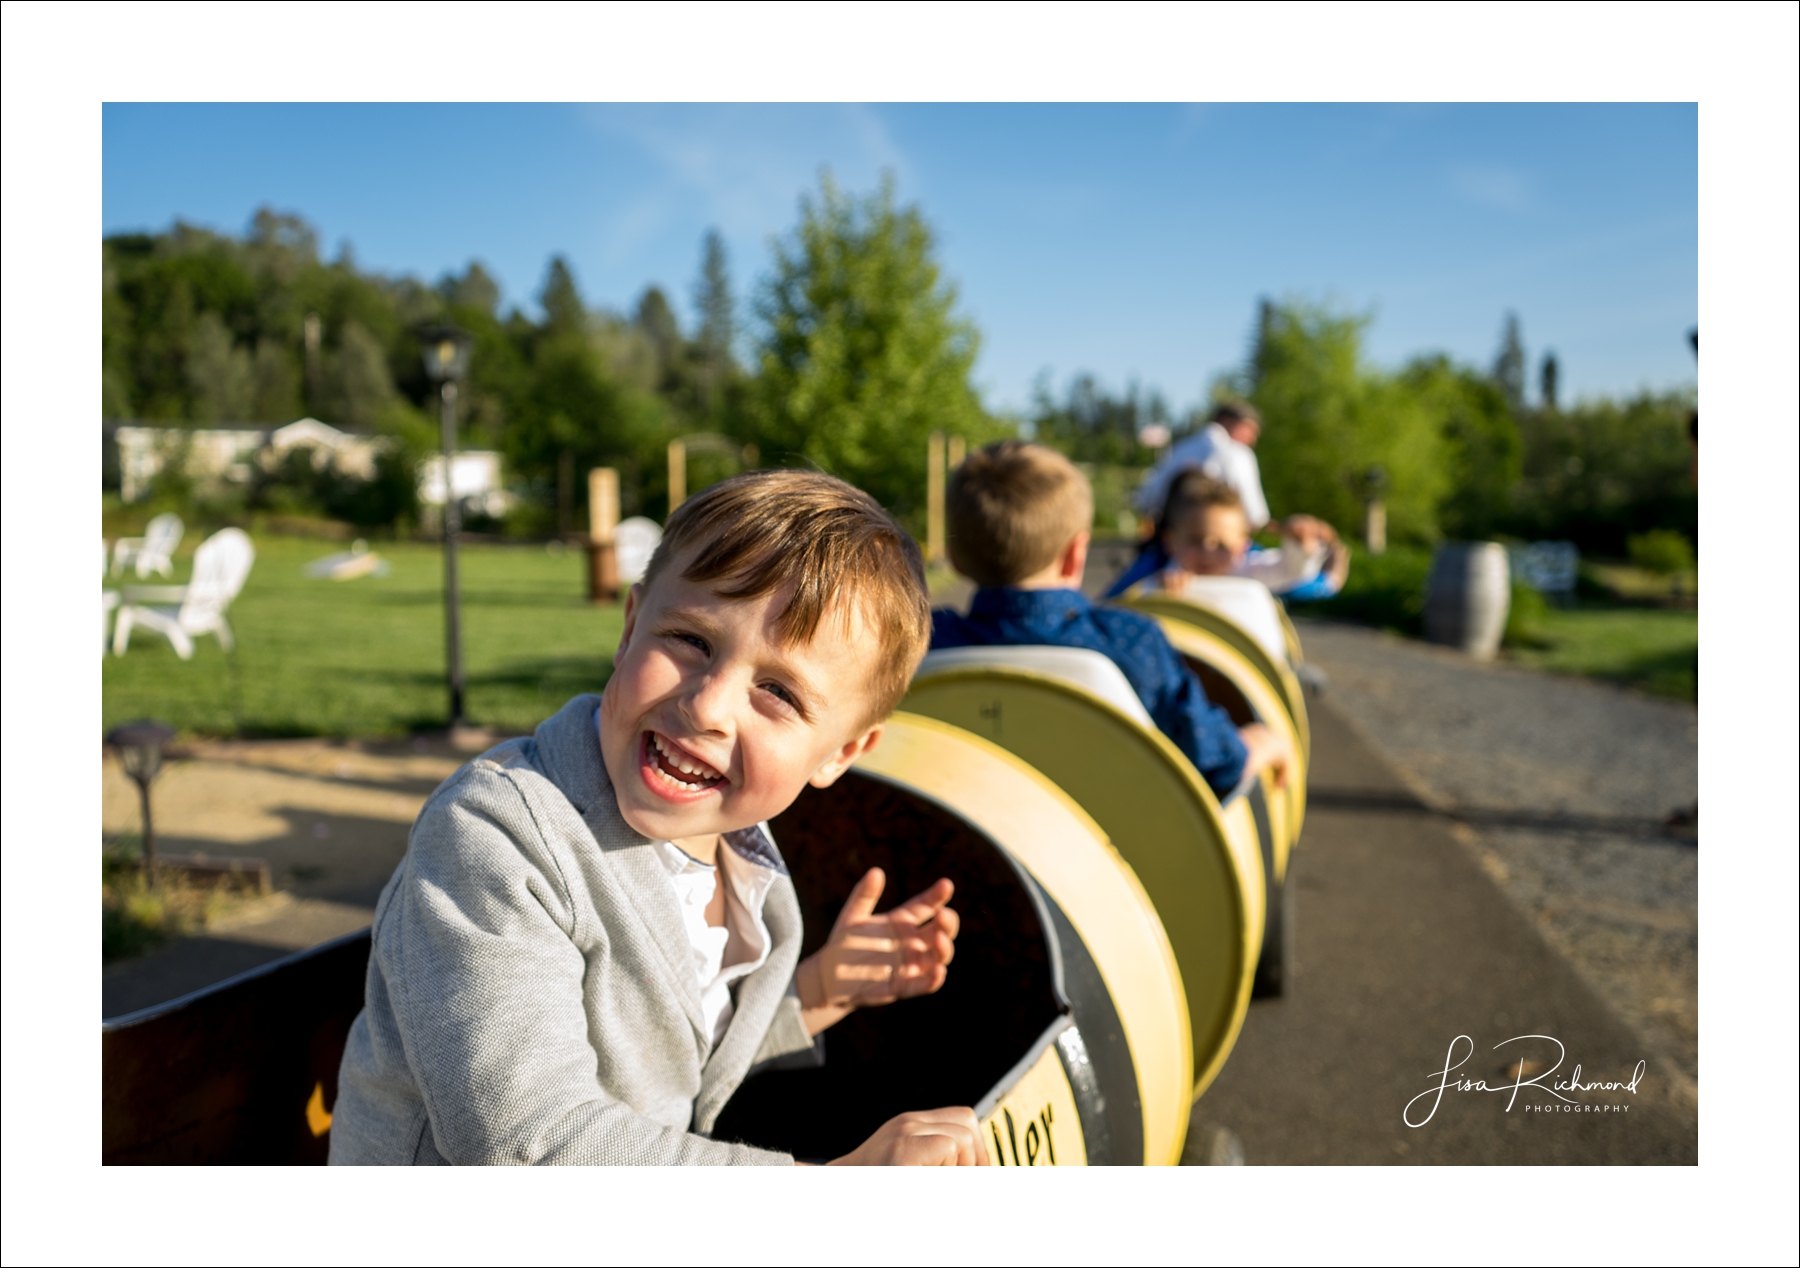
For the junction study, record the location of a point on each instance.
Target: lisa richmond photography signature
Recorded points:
(1519, 1073)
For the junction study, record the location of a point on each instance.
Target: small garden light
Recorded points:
(1375, 484)
(446, 350)
(140, 749)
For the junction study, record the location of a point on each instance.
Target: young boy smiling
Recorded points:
(592, 939)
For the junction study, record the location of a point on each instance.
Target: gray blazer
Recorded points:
(530, 993)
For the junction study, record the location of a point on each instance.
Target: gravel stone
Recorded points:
(1562, 787)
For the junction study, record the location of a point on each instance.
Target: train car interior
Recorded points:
(1020, 970)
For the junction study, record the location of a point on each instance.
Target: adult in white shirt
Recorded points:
(1226, 450)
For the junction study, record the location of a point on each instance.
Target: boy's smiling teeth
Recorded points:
(671, 764)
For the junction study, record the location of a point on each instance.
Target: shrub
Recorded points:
(1525, 618)
(1386, 590)
(135, 918)
(1661, 550)
(1603, 470)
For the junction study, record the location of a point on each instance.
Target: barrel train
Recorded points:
(1117, 920)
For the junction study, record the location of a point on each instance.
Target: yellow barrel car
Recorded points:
(1063, 1021)
(1072, 716)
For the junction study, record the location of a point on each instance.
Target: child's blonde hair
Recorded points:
(1012, 507)
(754, 533)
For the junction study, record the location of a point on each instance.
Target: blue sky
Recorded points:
(1128, 240)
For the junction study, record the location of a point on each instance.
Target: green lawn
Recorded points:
(366, 657)
(1657, 649)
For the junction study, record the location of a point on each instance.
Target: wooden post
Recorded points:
(934, 499)
(959, 449)
(603, 523)
(677, 474)
(1375, 526)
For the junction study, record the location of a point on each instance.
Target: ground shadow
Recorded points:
(1546, 821)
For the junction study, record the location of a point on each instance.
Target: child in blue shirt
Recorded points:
(1019, 516)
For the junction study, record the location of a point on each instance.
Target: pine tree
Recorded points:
(713, 301)
(656, 319)
(563, 308)
(1509, 365)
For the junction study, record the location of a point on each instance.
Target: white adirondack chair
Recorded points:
(109, 599)
(154, 551)
(179, 613)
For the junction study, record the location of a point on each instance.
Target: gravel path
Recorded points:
(1561, 787)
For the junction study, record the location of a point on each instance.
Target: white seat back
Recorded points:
(221, 566)
(1246, 603)
(161, 536)
(634, 541)
(1091, 671)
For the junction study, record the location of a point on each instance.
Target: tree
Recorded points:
(570, 411)
(713, 300)
(1549, 374)
(563, 309)
(219, 373)
(1597, 472)
(656, 319)
(475, 290)
(1481, 444)
(358, 383)
(860, 351)
(275, 382)
(1509, 364)
(1328, 418)
(1092, 425)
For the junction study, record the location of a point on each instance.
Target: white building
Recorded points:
(475, 478)
(230, 454)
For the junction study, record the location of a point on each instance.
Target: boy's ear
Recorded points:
(845, 758)
(633, 602)
(1074, 557)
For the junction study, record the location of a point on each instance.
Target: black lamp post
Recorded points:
(446, 351)
(140, 749)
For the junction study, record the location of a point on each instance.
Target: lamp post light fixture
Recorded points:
(446, 352)
(140, 749)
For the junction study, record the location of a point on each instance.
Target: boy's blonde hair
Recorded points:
(1012, 508)
(754, 533)
(1194, 490)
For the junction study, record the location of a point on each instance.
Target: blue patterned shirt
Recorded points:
(1133, 642)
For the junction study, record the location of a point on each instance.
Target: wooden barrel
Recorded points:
(1199, 862)
(1467, 596)
(1063, 1021)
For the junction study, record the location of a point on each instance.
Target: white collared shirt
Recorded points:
(722, 955)
(1213, 451)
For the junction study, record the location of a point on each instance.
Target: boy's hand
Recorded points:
(923, 1138)
(1267, 748)
(870, 959)
(1311, 531)
(1337, 564)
